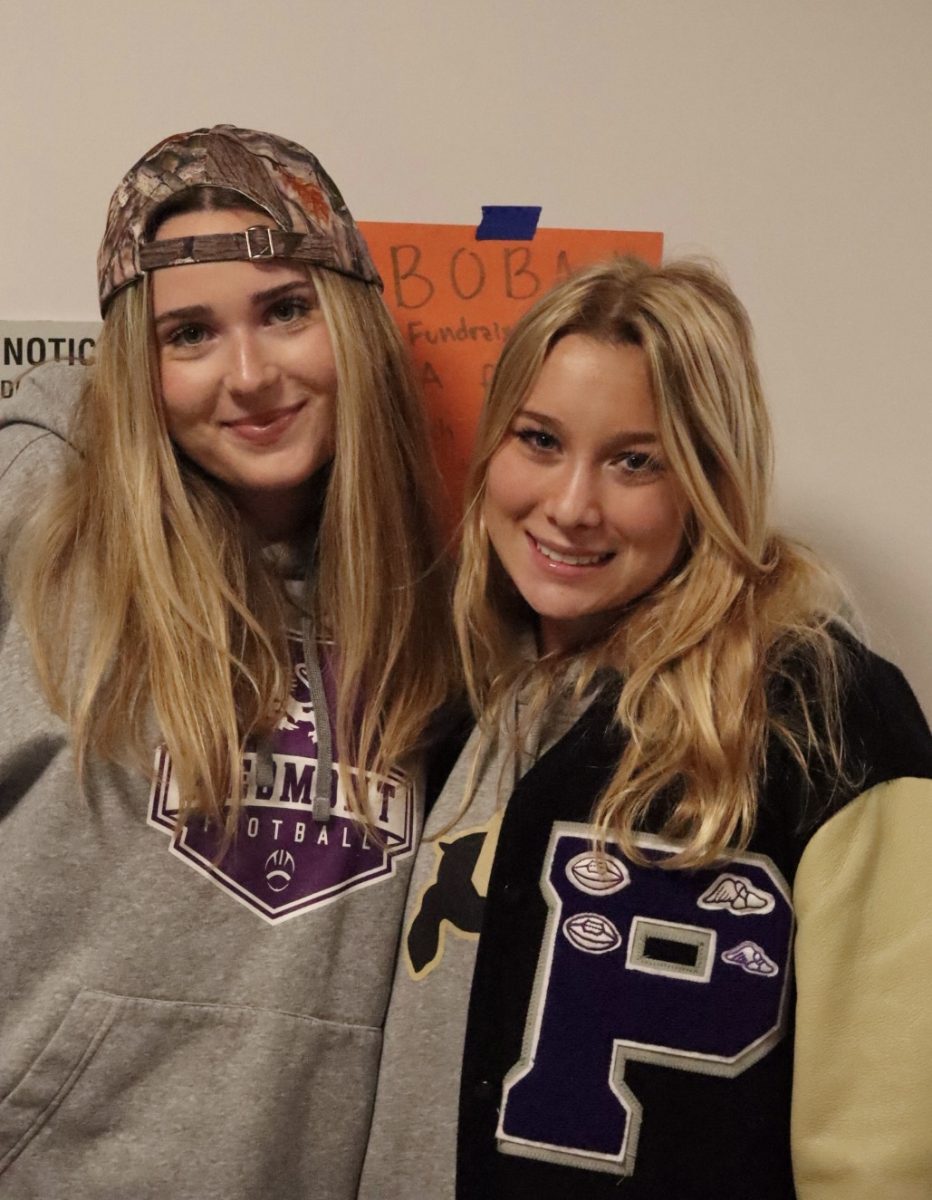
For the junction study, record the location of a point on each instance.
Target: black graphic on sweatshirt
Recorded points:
(451, 897)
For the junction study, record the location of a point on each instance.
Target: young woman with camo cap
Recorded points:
(222, 639)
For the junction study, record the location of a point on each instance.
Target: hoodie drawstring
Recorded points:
(323, 777)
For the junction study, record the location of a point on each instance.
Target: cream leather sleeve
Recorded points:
(862, 1092)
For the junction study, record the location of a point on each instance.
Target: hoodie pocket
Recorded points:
(154, 1098)
(50, 1078)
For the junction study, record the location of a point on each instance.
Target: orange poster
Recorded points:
(455, 298)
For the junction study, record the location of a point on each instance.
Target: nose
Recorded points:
(251, 366)
(574, 499)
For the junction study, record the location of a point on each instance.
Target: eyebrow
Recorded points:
(629, 437)
(193, 312)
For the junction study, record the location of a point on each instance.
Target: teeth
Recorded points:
(572, 560)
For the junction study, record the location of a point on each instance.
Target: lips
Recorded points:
(261, 420)
(568, 557)
(264, 428)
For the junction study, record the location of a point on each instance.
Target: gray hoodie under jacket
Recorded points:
(171, 1025)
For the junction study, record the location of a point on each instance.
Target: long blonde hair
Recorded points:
(153, 613)
(701, 658)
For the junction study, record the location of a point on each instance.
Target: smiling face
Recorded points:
(579, 504)
(248, 378)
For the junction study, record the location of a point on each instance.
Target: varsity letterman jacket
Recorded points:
(758, 1029)
(176, 1024)
(638, 1025)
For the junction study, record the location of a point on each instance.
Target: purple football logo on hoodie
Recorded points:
(283, 862)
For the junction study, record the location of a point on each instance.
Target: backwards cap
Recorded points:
(287, 182)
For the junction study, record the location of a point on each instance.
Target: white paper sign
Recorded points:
(25, 344)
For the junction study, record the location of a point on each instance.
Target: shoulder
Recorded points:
(884, 730)
(40, 411)
(34, 430)
(878, 823)
(875, 721)
(45, 397)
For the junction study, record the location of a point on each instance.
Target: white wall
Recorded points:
(790, 140)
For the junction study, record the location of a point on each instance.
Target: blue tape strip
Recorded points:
(508, 223)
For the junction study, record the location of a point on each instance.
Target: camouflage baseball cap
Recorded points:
(313, 222)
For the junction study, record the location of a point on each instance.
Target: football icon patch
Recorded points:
(591, 933)
(597, 874)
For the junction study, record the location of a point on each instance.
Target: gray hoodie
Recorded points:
(172, 1025)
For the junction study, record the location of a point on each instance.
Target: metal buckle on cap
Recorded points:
(256, 247)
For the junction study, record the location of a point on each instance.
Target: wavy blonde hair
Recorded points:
(746, 616)
(154, 614)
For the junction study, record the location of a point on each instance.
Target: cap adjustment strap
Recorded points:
(256, 243)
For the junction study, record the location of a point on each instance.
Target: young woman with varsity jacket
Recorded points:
(668, 934)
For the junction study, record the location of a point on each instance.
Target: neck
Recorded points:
(280, 516)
